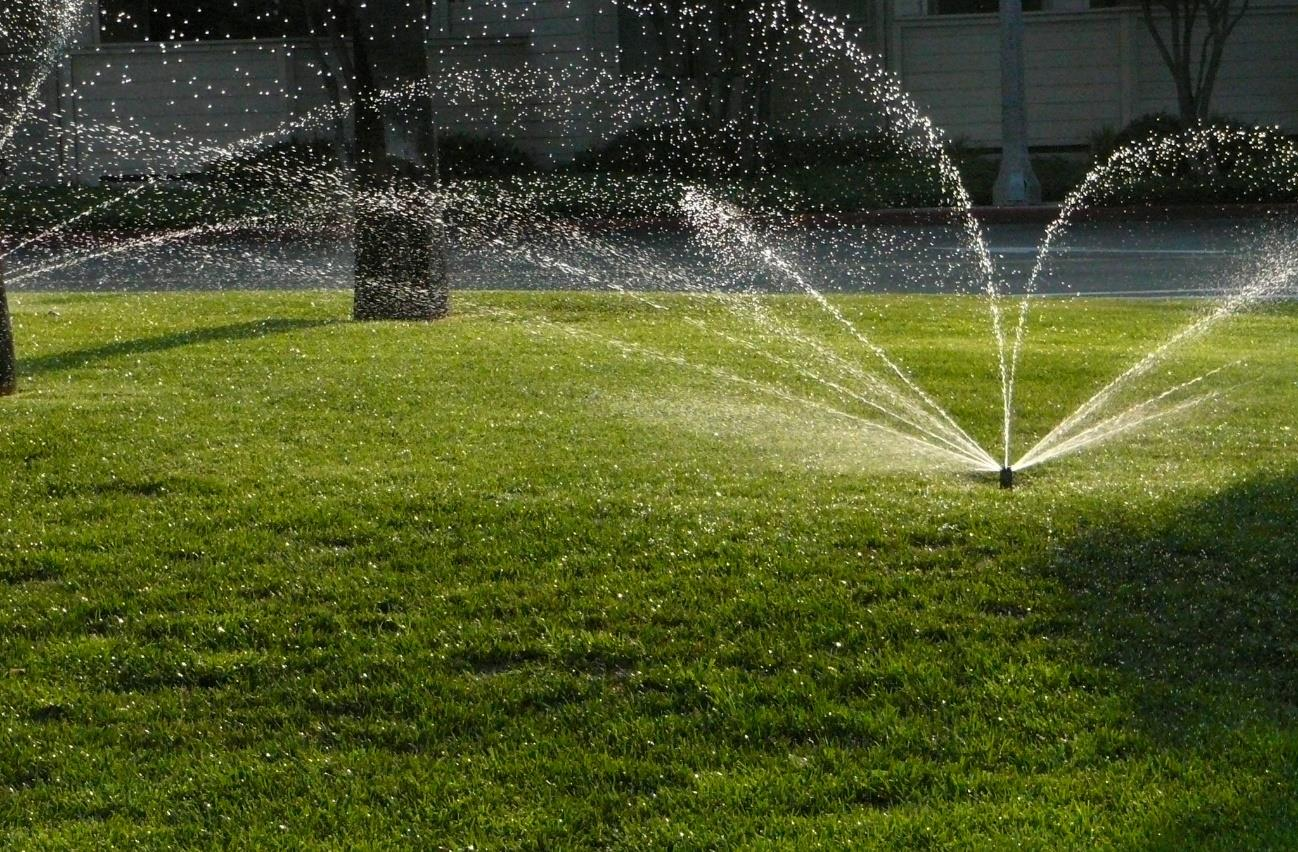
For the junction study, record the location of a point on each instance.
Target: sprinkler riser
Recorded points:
(1007, 478)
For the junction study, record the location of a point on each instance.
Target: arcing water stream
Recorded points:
(243, 207)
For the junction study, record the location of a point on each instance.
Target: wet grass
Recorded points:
(270, 579)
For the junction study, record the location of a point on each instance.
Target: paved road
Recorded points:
(1112, 258)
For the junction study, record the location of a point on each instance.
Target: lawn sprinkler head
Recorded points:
(1007, 477)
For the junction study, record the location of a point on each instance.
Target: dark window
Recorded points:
(975, 7)
(639, 53)
(201, 20)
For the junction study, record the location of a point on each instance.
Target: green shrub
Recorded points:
(461, 155)
(687, 150)
(677, 150)
(1154, 125)
(1232, 163)
(469, 156)
(282, 164)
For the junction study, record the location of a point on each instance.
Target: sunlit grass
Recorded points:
(539, 576)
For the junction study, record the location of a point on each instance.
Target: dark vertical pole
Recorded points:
(1016, 183)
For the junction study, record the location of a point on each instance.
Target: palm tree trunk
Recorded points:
(8, 359)
(396, 220)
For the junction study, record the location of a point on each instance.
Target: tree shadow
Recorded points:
(1194, 611)
(77, 358)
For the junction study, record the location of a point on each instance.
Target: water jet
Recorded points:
(263, 209)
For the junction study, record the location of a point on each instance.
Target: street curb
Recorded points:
(1046, 213)
(1042, 214)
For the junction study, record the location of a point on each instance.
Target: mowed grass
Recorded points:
(273, 579)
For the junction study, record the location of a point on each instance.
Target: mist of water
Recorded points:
(612, 218)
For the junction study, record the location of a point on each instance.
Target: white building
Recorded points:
(1088, 68)
(1089, 65)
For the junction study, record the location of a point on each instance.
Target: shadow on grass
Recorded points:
(77, 358)
(1195, 611)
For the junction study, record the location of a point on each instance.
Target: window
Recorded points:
(975, 7)
(201, 20)
(639, 54)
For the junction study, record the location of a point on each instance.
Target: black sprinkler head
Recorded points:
(1007, 477)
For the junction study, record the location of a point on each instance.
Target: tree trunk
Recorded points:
(1187, 104)
(1194, 74)
(8, 359)
(398, 269)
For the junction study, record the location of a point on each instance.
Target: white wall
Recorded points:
(34, 154)
(539, 37)
(176, 103)
(1087, 70)
(219, 93)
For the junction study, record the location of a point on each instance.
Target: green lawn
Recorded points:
(273, 579)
